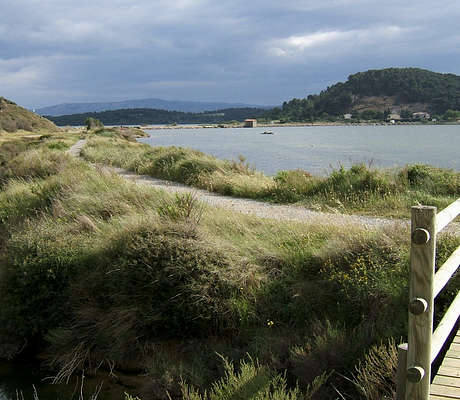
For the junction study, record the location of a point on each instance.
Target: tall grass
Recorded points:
(359, 189)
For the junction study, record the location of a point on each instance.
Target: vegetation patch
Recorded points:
(359, 189)
(98, 272)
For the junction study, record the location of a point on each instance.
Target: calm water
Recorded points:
(318, 148)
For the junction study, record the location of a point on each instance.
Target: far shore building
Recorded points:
(250, 123)
(394, 117)
(347, 116)
(420, 115)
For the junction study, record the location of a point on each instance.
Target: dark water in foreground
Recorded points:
(318, 148)
(20, 380)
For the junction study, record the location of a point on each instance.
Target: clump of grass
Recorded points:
(40, 162)
(375, 375)
(183, 207)
(436, 181)
(293, 186)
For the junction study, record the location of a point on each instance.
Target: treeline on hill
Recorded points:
(400, 87)
(139, 116)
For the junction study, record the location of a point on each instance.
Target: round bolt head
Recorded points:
(418, 306)
(420, 236)
(415, 374)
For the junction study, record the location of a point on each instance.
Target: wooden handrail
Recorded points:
(444, 273)
(447, 215)
(445, 327)
(415, 358)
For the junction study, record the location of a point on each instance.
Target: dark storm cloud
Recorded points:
(263, 52)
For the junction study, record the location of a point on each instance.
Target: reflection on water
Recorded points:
(318, 148)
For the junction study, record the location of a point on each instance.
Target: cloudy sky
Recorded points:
(252, 51)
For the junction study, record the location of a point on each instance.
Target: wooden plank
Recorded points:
(447, 215)
(449, 371)
(434, 397)
(451, 362)
(446, 271)
(453, 353)
(454, 346)
(422, 258)
(448, 391)
(457, 338)
(447, 380)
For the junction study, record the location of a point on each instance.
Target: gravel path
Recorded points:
(76, 148)
(258, 208)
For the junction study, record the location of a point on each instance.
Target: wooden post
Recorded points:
(422, 262)
(401, 372)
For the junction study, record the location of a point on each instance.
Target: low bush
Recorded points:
(250, 381)
(436, 181)
(293, 186)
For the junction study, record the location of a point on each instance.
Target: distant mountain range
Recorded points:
(158, 104)
(141, 116)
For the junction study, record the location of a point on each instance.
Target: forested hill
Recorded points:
(385, 90)
(140, 116)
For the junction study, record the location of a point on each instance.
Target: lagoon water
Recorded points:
(317, 149)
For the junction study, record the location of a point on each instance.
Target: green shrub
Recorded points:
(152, 281)
(93, 123)
(369, 277)
(357, 180)
(293, 185)
(250, 381)
(375, 376)
(436, 181)
(35, 272)
(182, 208)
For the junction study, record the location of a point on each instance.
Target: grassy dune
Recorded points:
(359, 189)
(14, 118)
(97, 272)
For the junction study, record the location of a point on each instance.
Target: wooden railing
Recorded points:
(416, 356)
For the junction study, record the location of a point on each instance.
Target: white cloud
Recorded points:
(330, 43)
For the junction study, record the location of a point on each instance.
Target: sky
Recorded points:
(250, 51)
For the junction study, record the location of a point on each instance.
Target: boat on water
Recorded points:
(267, 133)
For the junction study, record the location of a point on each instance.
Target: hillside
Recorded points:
(379, 92)
(14, 117)
(139, 116)
(159, 104)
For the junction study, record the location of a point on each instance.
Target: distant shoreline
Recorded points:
(290, 124)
